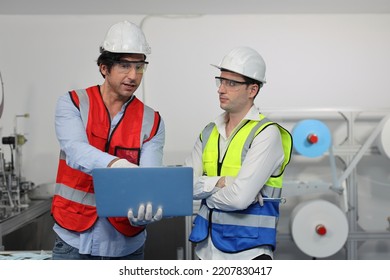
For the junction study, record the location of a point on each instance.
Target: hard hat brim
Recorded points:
(219, 67)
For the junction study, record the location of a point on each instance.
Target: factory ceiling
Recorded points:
(181, 7)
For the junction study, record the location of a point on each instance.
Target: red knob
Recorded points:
(321, 229)
(312, 138)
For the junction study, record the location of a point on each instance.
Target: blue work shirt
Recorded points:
(102, 239)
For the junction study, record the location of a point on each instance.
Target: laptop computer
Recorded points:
(119, 189)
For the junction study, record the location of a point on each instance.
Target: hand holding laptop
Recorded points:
(145, 216)
(122, 163)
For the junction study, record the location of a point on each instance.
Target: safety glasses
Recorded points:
(125, 66)
(232, 84)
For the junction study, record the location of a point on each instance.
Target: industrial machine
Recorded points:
(13, 187)
(337, 184)
(16, 207)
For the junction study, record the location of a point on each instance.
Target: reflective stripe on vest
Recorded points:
(237, 218)
(84, 105)
(75, 195)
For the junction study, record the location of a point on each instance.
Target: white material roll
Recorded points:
(319, 228)
(383, 140)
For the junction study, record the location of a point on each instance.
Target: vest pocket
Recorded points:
(130, 154)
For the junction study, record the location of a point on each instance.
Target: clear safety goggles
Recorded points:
(125, 66)
(227, 83)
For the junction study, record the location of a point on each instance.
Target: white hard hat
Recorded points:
(244, 61)
(126, 37)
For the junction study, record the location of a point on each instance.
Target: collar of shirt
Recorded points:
(220, 121)
(118, 116)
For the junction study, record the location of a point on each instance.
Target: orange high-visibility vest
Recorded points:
(73, 205)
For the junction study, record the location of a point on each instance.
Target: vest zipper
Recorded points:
(109, 137)
(219, 167)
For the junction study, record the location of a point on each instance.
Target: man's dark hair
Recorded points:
(252, 81)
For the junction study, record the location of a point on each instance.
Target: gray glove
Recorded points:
(145, 216)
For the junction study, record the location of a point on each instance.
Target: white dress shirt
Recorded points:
(264, 158)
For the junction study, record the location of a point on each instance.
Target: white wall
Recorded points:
(312, 61)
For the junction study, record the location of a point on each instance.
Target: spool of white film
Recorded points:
(319, 228)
